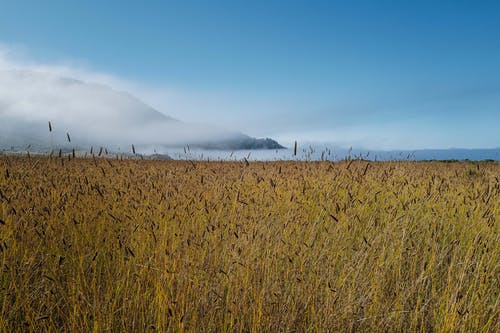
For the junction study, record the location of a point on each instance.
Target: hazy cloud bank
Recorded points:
(84, 104)
(80, 100)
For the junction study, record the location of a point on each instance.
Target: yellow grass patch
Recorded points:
(261, 246)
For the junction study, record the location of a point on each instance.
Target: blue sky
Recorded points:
(373, 74)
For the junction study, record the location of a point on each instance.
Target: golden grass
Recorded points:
(106, 245)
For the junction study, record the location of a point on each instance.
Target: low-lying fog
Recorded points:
(90, 113)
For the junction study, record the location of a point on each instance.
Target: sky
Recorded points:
(368, 74)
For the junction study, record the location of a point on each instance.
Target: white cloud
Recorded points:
(350, 120)
(81, 101)
(254, 115)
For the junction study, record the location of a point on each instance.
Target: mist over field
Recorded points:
(101, 109)
(91, 114)
(323, 152)
(97, 115)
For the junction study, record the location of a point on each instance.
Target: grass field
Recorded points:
(107, 245)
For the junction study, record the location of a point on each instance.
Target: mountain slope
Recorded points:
(95, 115)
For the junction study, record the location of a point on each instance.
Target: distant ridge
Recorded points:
(96, 115)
